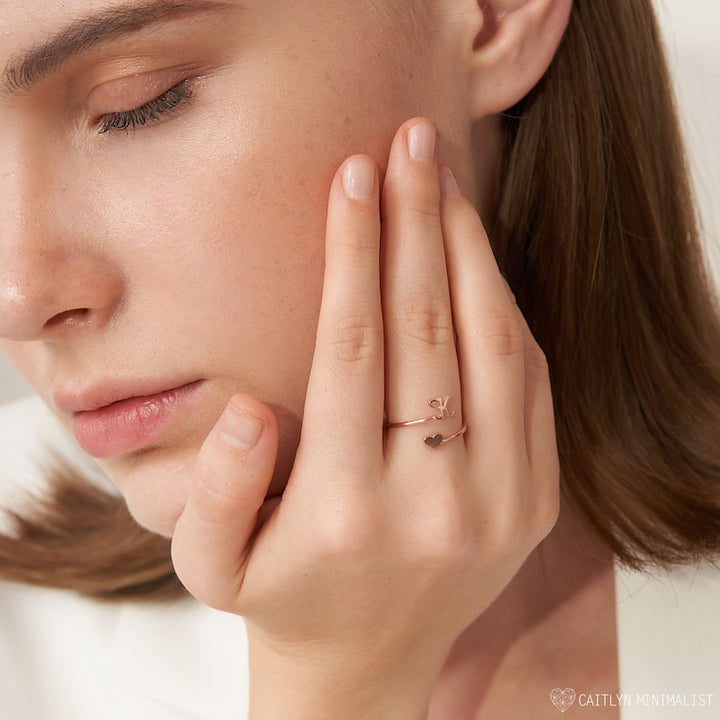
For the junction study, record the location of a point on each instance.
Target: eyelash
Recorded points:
(149, 113)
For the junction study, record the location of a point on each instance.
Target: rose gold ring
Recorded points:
(439, 404)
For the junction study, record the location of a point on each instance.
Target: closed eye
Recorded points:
(149, 113)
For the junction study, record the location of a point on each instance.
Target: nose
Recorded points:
(48, 294)
(53, 281)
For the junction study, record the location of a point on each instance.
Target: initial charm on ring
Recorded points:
(439, 404)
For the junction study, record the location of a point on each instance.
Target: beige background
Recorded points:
(691, 29)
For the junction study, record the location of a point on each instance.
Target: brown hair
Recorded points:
(596, 234)
(82, 538)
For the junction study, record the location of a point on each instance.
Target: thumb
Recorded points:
(212, 536)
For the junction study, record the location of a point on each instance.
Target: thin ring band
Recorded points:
(438, 403)
(435, 441)
(410, 423)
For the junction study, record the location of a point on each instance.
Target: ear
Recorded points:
(512, 50)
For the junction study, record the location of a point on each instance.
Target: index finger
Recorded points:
(344, 404)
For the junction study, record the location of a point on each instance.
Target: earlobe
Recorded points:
(513, 50)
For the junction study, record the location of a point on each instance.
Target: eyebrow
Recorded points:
(26, 69)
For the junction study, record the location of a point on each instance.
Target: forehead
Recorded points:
(24, 22)
(25, 25)
(39, 36)
(43, 46)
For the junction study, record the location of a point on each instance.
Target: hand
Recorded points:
(383, 549)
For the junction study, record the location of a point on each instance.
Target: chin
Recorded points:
(155, 496)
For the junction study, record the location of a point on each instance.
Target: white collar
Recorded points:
(183, 656)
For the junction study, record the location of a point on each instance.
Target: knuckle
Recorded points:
(345, 535)
(422, 210)
(420, 203)
(355, 339)
(358, 240)
(444, 538)
(441, 542)
(215, 500)
(427, 321)
(536, 361)
(507, 527)
(501, 335)
(527, 518)
(513, 510)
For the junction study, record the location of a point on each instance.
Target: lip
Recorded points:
(114, 421)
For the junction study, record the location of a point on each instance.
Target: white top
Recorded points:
(63, 657)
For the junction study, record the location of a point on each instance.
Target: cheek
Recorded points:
(225, 215)
(223, 229)
(217, 217)
(237, 185)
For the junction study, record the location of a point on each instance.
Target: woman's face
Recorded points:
(181, 245)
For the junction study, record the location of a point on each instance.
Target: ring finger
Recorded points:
(422, 377)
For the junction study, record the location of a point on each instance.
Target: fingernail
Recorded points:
(421, 142)
(448, 183)
(359, 178)
(240, 430)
